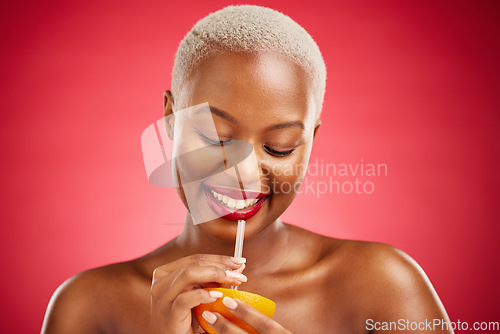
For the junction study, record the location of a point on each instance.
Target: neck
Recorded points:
(263, 251)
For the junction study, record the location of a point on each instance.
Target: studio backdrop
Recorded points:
(407, 153)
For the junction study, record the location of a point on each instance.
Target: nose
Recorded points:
(246, 172)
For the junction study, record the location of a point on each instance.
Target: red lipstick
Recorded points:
(224, 211)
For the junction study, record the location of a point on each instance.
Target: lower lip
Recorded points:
(226, 213)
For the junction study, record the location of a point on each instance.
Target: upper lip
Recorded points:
(237, 193)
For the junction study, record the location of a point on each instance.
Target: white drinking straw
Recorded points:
(238, 247)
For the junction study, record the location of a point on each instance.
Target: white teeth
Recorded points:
(240, 204)
(234, 203)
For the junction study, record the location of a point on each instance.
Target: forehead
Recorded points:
(267, 83)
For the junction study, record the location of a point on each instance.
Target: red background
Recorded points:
(412, 84)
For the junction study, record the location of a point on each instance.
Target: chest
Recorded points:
(318, 314)
(129, 312)
(305, 304)
(313, 314)
(313, 303)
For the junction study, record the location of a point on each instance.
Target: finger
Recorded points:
(227, 261)
(182, 305)
(240, 269)
(163, 276)
(195, 276)
(163, 279)
(221, 324)
(192, 276)
(161, 284)
(260, 322)
(222, 261)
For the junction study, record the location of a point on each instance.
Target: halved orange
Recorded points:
(261, 304)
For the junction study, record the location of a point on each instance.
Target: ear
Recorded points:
(316, 128)
(168, 107)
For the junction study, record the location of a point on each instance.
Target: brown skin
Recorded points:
(320, 284)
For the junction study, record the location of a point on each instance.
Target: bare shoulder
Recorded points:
(379, 261)
(85, 303)
(378, 270)
(379, 267)
(385, 283)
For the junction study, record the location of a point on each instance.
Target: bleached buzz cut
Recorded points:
(252, 29)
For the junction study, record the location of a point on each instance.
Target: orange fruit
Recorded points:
(261, 304)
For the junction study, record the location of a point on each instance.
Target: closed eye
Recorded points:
(278, 153)
(212, 142)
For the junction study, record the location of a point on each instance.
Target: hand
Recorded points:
(258, 321)
(177, 288)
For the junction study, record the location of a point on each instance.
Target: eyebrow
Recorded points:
(218, 112)
(222, 114)
(287, 125)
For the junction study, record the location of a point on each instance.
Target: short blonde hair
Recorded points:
(249, 28)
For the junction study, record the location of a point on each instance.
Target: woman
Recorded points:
(263, 80)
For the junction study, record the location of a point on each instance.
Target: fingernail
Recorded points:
(215, 294)
(209, 317)
(239, 260)
(236, 275)
(230, 303)
(240, 269)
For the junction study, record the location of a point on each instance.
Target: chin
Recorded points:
(225, 230)
(220, 229)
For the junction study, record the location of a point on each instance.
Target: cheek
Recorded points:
(199, 164)
(286, 175)
(196, 161)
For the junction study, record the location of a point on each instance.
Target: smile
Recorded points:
(234, 204)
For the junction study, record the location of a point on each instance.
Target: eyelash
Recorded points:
(211, 141)
(278, 154)
(272, 152)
